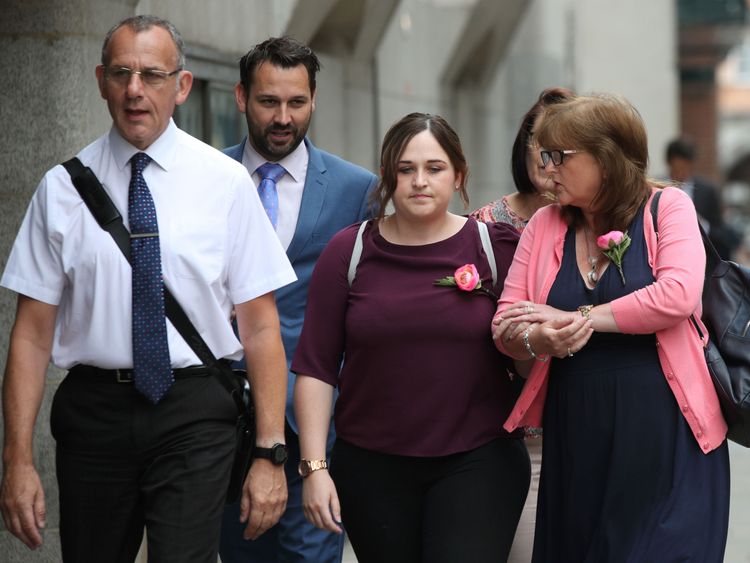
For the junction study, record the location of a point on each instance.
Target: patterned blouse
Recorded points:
(499, 211)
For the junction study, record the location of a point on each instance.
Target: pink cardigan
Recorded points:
(662, 308)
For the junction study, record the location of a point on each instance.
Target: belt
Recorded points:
(126, 375)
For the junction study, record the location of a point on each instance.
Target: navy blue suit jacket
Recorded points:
(335, 196)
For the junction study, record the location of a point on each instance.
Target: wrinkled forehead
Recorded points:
(146, 48)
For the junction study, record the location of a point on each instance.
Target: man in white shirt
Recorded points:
(128, 458)
(317, 194)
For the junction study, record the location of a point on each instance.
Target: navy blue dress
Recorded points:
(623, 479)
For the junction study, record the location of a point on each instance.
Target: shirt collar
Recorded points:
(295, 163)
(162, 151)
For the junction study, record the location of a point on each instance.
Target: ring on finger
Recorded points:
(570, 354)
(529, 309)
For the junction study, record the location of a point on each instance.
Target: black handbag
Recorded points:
(726, 315)
(233, 380)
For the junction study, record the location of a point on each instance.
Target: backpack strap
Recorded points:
(356, 253)
(484, 234)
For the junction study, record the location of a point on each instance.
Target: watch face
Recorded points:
(279, 454)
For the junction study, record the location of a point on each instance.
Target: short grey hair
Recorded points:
(144, 23)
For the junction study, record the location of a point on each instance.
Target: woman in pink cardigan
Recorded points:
(635, 465)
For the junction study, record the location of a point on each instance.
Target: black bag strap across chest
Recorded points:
(109, 218)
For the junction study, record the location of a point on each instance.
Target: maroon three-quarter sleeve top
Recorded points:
(420, 374)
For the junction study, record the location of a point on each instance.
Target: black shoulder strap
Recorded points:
(655, 212)
(712, 256)
(106, 214)
(96, 199)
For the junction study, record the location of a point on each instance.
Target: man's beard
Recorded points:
(273, 152)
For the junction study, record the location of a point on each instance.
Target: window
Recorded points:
(210, 112)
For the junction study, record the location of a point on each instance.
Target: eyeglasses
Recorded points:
(556, 156)
(155, 78)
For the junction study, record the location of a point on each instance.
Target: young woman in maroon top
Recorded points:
(421, 469)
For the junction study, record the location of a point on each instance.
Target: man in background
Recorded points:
(680, 156)
(309, 195)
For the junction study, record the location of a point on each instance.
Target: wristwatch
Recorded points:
(307, 466)
(278, 453)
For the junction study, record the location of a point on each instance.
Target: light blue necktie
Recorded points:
(151, 364)
(269, 173)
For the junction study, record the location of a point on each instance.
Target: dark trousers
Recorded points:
(123, 464)
(461, 507)
(292, 540)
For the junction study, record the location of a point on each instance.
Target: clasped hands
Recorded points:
(553, 332)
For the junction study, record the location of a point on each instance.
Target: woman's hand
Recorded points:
(320, 502)
(519, 316)
(561, 336)
(551, 331)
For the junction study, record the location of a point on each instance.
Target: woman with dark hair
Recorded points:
(421, 470)
(635, 465)
(533, 192)
(528, 174)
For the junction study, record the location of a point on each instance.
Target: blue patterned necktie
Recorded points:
(270, 172)
(151, 364)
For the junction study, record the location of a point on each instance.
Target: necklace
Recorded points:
(593, 261)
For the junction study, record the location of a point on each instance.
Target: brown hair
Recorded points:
(283, 52)
(394, 144)
(520, 150)
(611, 130)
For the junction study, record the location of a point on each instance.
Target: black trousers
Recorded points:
(461, 507)
(123, 464)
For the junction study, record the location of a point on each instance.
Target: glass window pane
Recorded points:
(227, 124)
(190, 115)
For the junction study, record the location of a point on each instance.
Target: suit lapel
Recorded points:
(313, 195)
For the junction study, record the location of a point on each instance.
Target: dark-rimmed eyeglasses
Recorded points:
(556, 156)
(121, 75)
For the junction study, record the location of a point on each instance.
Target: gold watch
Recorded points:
(585, 310)
(307, 466)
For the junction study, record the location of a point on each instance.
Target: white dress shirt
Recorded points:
(217, 249)
(289, 187)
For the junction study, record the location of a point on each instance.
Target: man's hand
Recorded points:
(264, 497)
(22, 503)
(21, 494)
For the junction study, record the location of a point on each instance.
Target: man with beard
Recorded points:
(309, 195)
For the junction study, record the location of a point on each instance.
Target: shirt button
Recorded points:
(705, 445)
(685, 408)
(534, 388)
(699, 434)
(670, 376)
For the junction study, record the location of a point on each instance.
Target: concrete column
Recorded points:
(50, 110)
